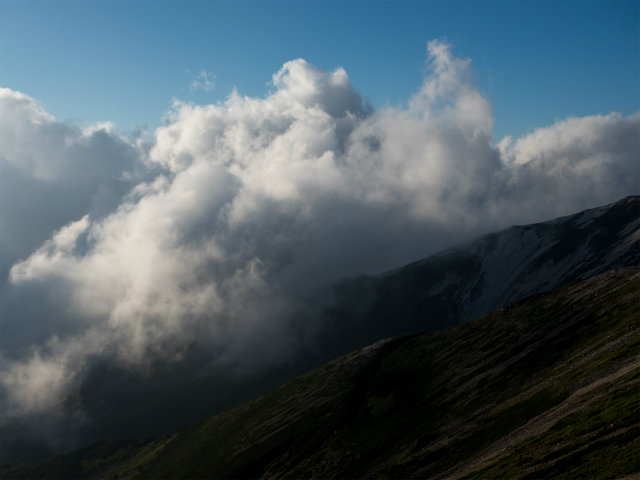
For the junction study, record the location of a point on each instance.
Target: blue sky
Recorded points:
(124, 61)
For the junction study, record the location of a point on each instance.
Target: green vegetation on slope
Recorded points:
(547, 387)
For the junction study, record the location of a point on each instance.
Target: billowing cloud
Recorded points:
(246, 210)
(590, 158)
(52, 173)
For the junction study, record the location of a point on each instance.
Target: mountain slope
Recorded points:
(467, 281)
(546, 387)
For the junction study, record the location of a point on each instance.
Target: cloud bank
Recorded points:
(226, 230)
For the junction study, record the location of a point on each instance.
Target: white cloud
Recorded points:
(204, 81)
(257, 203)
(52, 173)
(35, 385)
(575, 162)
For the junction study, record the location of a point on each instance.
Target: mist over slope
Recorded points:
(439, 291)
(206, 251)
(544, 388)
(464, 282)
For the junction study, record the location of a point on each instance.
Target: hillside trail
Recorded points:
(538, 425)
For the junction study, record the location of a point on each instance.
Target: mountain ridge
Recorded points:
(469, 280)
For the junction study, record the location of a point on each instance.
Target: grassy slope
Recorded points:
(547, 387)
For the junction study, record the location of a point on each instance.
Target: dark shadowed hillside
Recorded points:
(547, 387)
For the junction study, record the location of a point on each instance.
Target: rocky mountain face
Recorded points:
(544, 388)
(462, 283)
